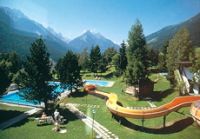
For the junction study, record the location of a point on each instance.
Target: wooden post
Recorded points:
(142, 122)
(164, 120)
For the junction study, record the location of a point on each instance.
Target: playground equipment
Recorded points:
(163, 110)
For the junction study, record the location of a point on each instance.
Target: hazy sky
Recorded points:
(112, 18)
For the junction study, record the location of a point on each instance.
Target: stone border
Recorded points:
(19, 105)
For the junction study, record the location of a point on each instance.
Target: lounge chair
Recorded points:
(42, 121)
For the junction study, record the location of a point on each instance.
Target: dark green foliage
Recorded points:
(116, 63)
(108, 54)
(196, 65)
(4, 80)
(83, 60)
(164, 48)
(136, 55)
(95, 59)
(19, 77)
(123, 58)
(152, 56)
(162, 56)
(119, 60)
(37, 74)
(196, 69)
(179, 50)
(103, 65)
(161, 62)
(11, 63)
(69, 71)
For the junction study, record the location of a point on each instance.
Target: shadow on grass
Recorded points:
(177, 126)
(160, 95)
(69, 116)
(8, 114)
(108, 76)
(78, 94)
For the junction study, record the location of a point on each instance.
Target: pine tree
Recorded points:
(108, 54)
(95, 59)
(162, 56)
(4, 80)
(123, 58)
(83, 59)
(136, 55)
(179, 49)
(116, 63)
(196, 69)
(68, 71)
(37, 70)
(152, 56)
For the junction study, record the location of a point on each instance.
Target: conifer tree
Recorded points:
(4, 80)
(37, 70)
(123, 58)
(68, 71)
(179, 50)
(95, 59)
(136, 55)
(83, 60)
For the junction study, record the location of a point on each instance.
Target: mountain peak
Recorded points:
(90, 38)
(13, 13)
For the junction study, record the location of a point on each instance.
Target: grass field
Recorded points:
(178, 124)
(28, 129)
(8, 112)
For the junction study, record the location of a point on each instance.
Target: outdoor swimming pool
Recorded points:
(101, 83)
(16, 98)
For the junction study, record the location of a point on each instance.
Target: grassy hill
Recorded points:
(157, 39)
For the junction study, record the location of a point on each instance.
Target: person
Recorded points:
(57, 127)
(44, 116)
(56, 115)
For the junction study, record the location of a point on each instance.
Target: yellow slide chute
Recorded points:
(163, 110)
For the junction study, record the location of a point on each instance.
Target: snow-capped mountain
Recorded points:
(89, 39)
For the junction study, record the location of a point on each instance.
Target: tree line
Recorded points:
(133, 61)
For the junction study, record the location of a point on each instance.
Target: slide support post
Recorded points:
(142, 122)
(164, 120)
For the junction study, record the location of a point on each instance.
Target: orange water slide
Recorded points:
(163, 110)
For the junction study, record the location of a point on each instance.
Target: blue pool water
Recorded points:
(16, 98)
(99, 83)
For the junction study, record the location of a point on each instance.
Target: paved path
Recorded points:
(151, 104)
(18, 118)
(98, 128)
(85, 105)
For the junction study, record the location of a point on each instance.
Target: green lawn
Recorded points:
(183, 129)
(28, 129)
(178, 124)
(8, 112)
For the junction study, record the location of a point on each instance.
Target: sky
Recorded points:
(111, 18)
